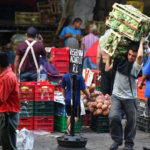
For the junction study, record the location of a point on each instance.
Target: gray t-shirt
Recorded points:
(122, 85)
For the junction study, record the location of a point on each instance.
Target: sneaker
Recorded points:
(67, 132)
(128, 148)
(114, 146)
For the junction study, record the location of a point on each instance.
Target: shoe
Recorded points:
(114, 146)
(128, 148)
(67, 132)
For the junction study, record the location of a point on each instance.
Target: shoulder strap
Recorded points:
(30, 47)
(68, 29)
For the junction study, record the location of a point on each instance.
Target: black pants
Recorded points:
(8, 135)
(107, 80)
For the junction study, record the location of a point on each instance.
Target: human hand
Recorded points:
(68, 35)
(142, 40)
(78, 37)
(140, 85)
(99, 72)
(41, 39)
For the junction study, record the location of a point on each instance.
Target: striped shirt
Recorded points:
(88, 41)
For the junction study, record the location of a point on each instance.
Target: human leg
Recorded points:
(130, 109)
(116, 130)
(33, 76)
(8, 133)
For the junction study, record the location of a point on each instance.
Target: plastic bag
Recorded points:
(17, 38)
(25, 140)
(103, 39)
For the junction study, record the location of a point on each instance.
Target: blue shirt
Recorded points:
(146, 71)
(80, 85)
(72, 31)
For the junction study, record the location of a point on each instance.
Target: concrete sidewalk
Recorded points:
(95, 141)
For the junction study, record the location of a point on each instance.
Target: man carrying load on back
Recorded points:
(72, 34)
(124, 96)
(28, 57)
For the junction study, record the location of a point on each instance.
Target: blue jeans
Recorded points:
(28, 76)
(116, 131)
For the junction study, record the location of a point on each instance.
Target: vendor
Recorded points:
(72, 34)
(28, 57)
(9, 105)
(125, 95)
(53, 72)
(89, 39)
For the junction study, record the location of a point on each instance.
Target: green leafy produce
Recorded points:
(134, 23)
(122, 28)
(125, 41)
(111, 37)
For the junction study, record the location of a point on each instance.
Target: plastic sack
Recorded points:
(103, 39)
(25, 140)
(17, 38)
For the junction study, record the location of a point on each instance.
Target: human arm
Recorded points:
(63, 92)
(65, 34)
(140, 52)
(87, 94)
(99, 55)
(83, 43)
(52, 70)
(41, 39)
(144, 77)
(16, 64)
(109, 65)
(5, 89)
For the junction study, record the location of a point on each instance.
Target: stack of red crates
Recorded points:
(27, 106)
(36, 117)
(95, 78)
(61, 59)
(44, 108)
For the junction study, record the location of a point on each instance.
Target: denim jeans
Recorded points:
(116, 130)
(28, 76)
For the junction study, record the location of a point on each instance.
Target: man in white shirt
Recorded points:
(124, 96)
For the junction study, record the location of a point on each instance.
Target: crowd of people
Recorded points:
(117, 79)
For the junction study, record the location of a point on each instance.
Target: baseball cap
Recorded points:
(31, 31)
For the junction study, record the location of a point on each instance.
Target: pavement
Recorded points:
(95, 141)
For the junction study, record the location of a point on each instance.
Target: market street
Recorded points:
(95, 141)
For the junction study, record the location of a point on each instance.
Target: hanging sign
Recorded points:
(76, 57)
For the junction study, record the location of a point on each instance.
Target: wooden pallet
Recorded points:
(53, 7)
(117, 35)
(25, 18)
(101, 27)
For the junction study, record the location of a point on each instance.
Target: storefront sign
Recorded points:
(76, 57)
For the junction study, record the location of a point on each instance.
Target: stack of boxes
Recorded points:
(143, 119)
(60, 121)
(61, 59)
(37, 106)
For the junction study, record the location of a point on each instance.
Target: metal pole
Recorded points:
(73, 106)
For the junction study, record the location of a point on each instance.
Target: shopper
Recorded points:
(28, 57)
(125, 95)
(89, 39)
(9, 104)
(107, 78)
(66, 90)
(72, 34)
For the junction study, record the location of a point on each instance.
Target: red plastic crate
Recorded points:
(95, 78)
(58, 88)
(44, 124)
(62, 67)
(86, 119)
(60, 54)
(44, 92)
(25, 122)
(26, 92)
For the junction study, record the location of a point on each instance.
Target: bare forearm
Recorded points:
(64, 92)
(108, 66)
(63, 38)
(140, 54)
(98, 63)
(144, 77)
(86, 93)
(16, 65)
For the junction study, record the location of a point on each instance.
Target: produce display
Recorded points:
(129, 21)
(99, 104)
